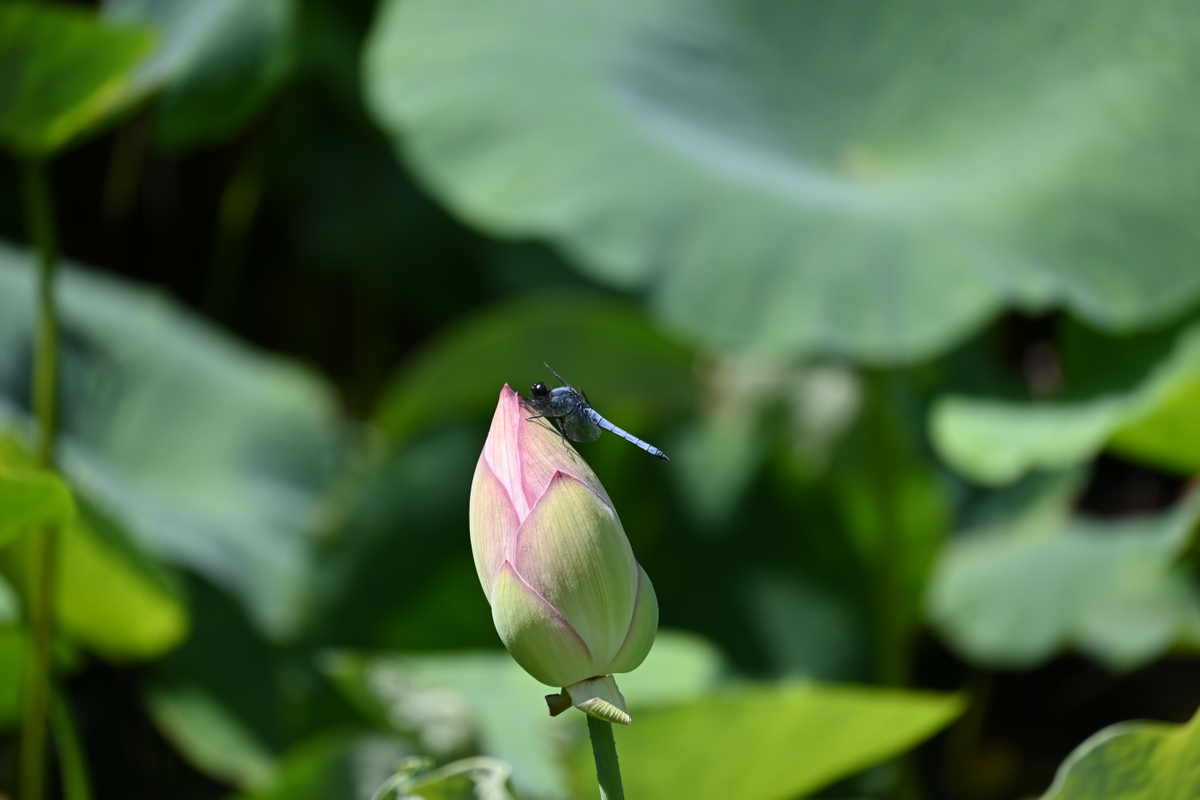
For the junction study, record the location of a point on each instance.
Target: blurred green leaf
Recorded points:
(390, 575)
(996, 441)
(219, 61)
(762, 742)
(224, 721)
(208, 453)
(337, 765)
(1015, 597)
(29, 496)
(478, 778)
(1133, 761)
(446, 700)
(10, 606)
(596, 343)
(894, 508)
(806, 630)
(62, 72)
(113, 598)
(871, 178)
(109, 595)
(211, 737)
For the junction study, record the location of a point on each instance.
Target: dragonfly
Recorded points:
(576, 419)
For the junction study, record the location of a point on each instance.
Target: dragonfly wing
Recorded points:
(579, 428)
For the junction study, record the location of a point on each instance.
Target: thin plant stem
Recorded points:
(40, 218)
(76, 785)
(891, 625)
(39, 665)
(604, 748)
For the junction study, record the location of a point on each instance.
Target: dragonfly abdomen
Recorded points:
(600, 422)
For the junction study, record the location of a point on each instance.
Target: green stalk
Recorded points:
(891, 626)
(38, 673)
(76, 785)
(604, 748)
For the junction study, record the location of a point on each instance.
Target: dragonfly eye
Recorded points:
(540, 389)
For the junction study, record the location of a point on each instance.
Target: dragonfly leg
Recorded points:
(553, 424)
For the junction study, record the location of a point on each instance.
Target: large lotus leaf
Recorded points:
(445, 699)
(869, 177)
(996, 441)
(1014, 597)
(1133, 761)
(62, 72)
(598, 344)
(767, 742)
(207, 453)
(219, 61)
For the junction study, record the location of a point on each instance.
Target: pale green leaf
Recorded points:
(108, 594)
(767, 742)
(62, 72)
(208, 453)
(997, 441)
(1013, 597)
(873, 178)
(445, 700)
(112, 598)
(1133, 761)
(29, 496)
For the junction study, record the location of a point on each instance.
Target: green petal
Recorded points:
(537, 636)
(641, 631)
(573, 552)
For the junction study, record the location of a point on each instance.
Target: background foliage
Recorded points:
(908, 291)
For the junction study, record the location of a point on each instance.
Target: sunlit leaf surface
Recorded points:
(1014, 597)
(28, 496)
(996, 441)
(767, 742)
(1133, 761)
(109, 595)
(446, 699)
(62, 72)
(873, 178)
(207, 453)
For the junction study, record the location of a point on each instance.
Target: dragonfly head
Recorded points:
(539, 389)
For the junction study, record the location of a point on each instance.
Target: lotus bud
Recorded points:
(569, 600)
